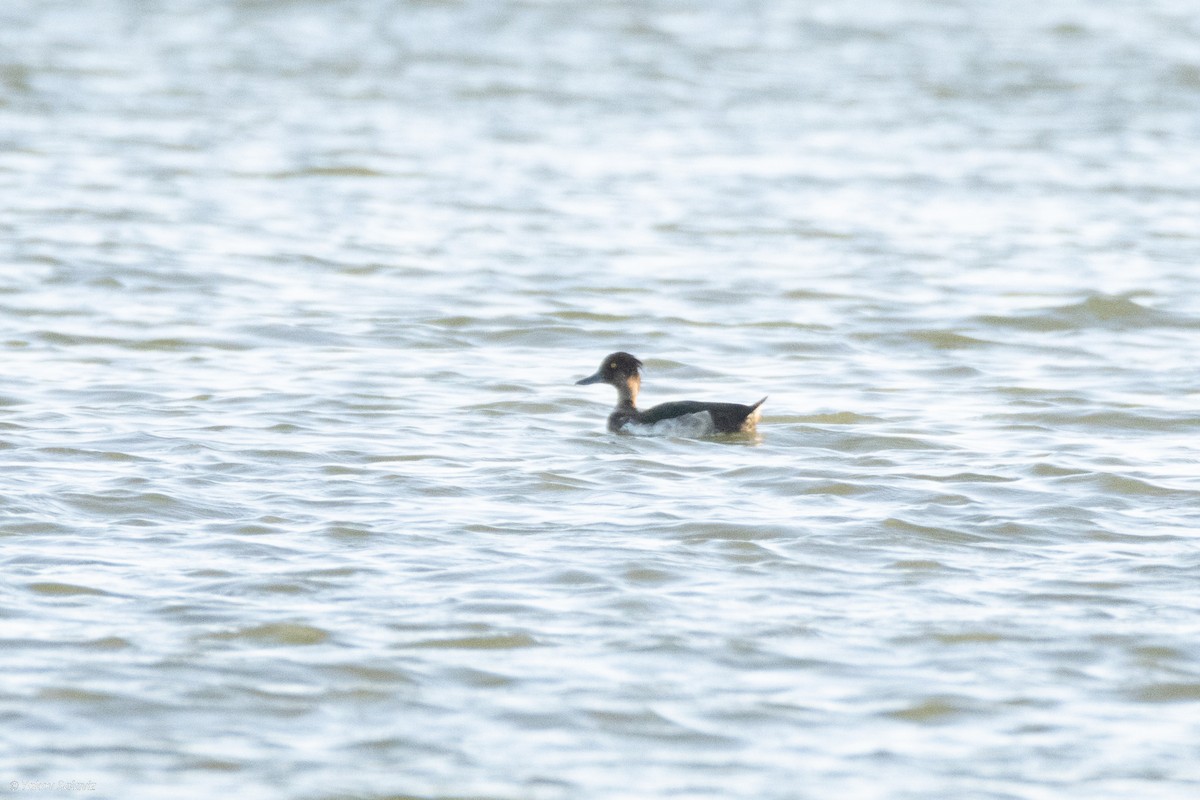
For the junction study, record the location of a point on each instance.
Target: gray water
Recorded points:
(299, 499)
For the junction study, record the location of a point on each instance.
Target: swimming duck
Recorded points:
(682, 418)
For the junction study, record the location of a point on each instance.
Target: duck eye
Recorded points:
(612, 365)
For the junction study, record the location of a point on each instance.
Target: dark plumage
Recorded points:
(623, 371)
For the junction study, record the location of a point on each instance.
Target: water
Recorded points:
(299, 500)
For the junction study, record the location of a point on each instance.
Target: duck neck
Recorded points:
(627, 393)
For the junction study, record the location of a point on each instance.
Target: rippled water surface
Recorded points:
(299, 499)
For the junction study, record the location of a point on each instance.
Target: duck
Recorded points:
(680, 418)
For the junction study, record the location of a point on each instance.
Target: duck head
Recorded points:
(620, 370)
(616, 369)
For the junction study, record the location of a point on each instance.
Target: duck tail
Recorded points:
(759, 403)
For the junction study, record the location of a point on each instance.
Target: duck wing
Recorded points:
(726, 417)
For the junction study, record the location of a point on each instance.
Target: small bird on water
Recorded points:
(682, 418)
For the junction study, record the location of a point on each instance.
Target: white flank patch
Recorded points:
(689, 425)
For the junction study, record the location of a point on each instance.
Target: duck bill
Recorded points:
(597, 378)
